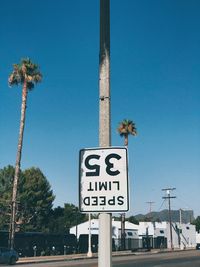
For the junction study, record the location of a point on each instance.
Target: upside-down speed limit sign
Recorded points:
(103, 180)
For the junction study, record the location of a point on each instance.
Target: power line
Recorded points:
(150, 207)
(161, 205)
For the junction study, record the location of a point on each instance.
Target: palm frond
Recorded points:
(127, 127)
(27, 71)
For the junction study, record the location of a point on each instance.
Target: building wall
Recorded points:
(183, 235)
(197, 238)
(131, 229)
(83, 228)
(186, 239)
(189, 233)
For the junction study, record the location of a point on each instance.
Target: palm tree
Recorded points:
(27, 74)
(125, 128)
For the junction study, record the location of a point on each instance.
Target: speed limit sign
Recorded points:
(103, 180)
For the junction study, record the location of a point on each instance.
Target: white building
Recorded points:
(148, 234)
(131, 229)
(183, 235)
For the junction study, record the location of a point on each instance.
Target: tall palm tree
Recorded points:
(27, 74)
(125, 128)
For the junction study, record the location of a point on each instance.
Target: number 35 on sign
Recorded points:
(103, 180)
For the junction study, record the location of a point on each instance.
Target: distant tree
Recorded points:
(6, 180)
(57, 220)
(158, 220)
(95, 216)
(116, 218)
(62, 219)
(132, 219)
(34, 201)
(196, 222)
(146, 219)
(73, 216)
(57, 212)
(6, 183)
(27, 74)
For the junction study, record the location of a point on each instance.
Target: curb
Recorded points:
(74, 257)
(52, 259)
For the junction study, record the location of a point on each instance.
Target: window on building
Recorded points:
(129, 233)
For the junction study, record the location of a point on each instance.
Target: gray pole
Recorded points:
(170, 220)
(180, 216)
(180, 229)
(105, 220)
(104, 75)
(168, 190)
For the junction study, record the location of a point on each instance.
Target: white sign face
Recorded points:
(103, 175)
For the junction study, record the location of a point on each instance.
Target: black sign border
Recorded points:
(102, 211)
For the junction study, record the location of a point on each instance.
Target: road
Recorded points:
(170, 259)
(173, 259)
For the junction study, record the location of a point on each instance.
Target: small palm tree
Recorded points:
(27, 74)
(125, 128)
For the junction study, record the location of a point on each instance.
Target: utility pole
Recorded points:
(105, 219)
(150, 207)
(169, 197)
(180, 228)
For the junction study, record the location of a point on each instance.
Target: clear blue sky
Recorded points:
(155, 81)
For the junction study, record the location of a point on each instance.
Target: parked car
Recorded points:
(7, 255)
(198, 246)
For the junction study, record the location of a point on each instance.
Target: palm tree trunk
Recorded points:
(126, 140)
(17, 166)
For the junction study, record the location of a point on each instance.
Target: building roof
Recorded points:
(117, 224)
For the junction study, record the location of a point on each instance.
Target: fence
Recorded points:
(39, 244)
